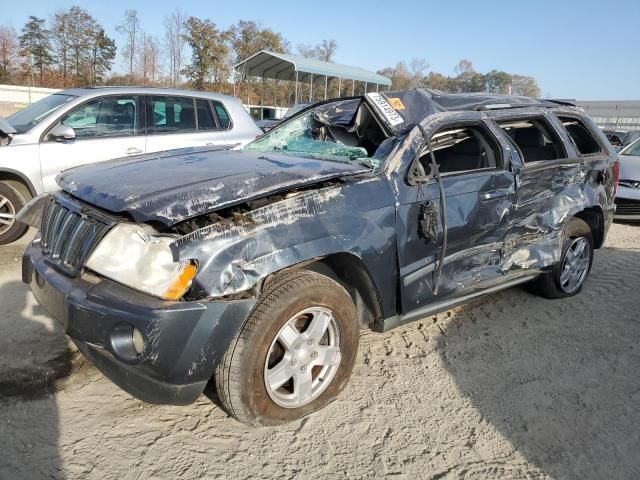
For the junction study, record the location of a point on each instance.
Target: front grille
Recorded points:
(68, 235)
(626, 206)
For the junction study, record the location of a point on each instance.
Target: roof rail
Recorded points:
(505, 106)
(561, 101)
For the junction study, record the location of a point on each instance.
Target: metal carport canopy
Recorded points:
(282, 66)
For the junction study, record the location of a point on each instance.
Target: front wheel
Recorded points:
(295, 353)
(567, 277)
(11, 201)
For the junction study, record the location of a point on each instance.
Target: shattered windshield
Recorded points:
(29, 117)
(313, 135)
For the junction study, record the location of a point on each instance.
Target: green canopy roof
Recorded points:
(282, 66)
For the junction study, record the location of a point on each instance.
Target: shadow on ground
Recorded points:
(33, 354)
(559, 379)
(34, 351)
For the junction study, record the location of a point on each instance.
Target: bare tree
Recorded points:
(323, 51)
(8, 51)
(464, 66)
(130, 27)
(418, 66)
(60, 40)
(326, 50)
(175, 42)
(305, 50)
(148, 58)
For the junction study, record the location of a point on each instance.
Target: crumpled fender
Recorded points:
(311, 225)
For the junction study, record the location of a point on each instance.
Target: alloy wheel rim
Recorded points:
(303, 358)
(7, 214)
(575, 265)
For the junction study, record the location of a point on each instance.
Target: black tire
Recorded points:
(240, 376)
(12, 201)
(549, 285)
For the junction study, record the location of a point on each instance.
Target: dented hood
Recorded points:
(176, 185)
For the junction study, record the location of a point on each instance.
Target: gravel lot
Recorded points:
(513, 386)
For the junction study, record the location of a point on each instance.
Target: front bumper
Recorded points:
(184, 341)
(627, 203)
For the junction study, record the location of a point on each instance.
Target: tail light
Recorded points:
(616, 176)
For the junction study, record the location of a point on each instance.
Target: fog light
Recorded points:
(127, 342)
(138, 341)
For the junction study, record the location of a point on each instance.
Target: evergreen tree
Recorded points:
(36, 45)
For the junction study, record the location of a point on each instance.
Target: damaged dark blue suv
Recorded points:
(255, 269)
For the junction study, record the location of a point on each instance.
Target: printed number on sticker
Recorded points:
(389, 113)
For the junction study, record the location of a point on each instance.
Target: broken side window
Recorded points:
(582, 137)
(463, 149)
(535, 138)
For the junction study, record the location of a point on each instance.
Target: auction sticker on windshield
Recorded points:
(387, 110)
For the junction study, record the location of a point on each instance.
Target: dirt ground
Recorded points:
(513, 387)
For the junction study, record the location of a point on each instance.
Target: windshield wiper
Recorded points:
(366, 162)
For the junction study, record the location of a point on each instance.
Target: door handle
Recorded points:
(494, 194)
(133, 151)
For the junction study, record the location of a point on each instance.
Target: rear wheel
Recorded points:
(295, 353)
(567, 277)
(11, 201)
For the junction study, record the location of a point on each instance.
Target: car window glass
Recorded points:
(462, 149)
(206, 121)
(172, 115)
(104, 117)
(27, 118)
(633, 149)
(223, 116)
(535, 138)
(581, 136)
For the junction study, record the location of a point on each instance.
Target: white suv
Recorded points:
(79, 126)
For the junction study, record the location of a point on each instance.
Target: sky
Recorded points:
(585, 50)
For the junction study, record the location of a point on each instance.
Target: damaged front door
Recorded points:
(478, 194)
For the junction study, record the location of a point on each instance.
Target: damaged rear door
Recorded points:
(478, 194)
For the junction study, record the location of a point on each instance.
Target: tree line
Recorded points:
(72, 48)
(466, 79)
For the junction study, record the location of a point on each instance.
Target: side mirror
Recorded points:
(418, 175)
(62, 133)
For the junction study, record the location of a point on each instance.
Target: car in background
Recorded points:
(268, 123)
(628, 195)
(621, 138)
(87, 125)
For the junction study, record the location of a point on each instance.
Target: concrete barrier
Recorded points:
(24, 94)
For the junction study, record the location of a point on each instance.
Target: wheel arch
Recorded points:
(594, 217)
(349, 271)
(14, 177)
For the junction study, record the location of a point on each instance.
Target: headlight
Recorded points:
(136, 257)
